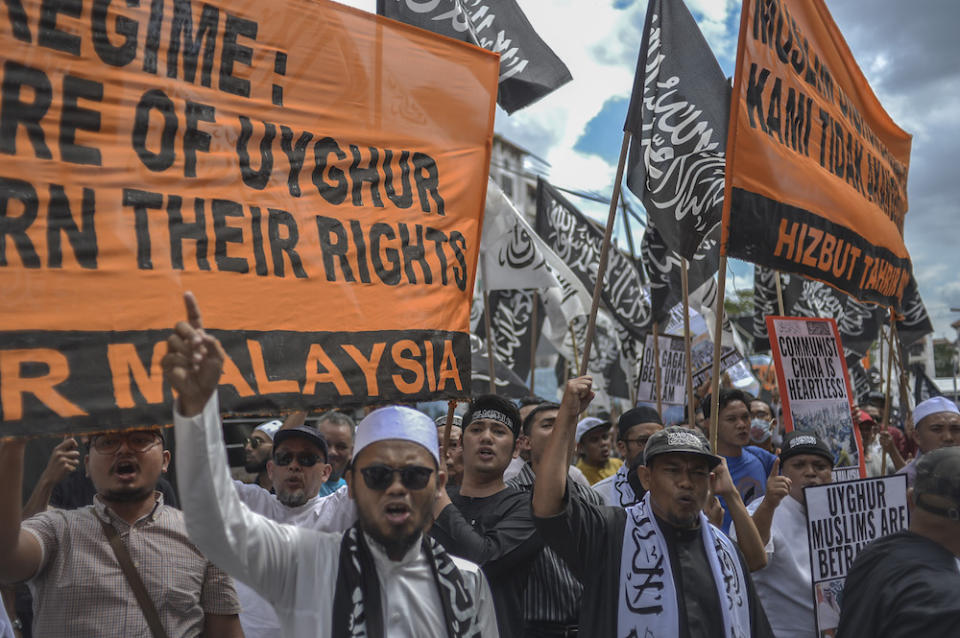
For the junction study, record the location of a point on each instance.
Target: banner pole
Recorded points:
(776, 278)
(489, 326)
(573, 337)
(717, 338)
(604, 253)
(688, 361)
(451, 407)
(886, 399)
(533, 340)
(656, 366)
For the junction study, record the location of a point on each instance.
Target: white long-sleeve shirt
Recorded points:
(295, 568)
(333, 513)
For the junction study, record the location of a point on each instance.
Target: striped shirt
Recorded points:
(80, 591)
(553, 593)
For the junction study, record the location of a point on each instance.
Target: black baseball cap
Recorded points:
(679, 439)
(938, 474)
(307, 432)
(807, 442)
(635, 416)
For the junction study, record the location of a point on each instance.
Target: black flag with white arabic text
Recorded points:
(664, 268)
(578, 242)
(514, 331)
(678, 120)
(916, 322)
(529, 69)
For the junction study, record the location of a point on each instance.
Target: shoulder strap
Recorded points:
(133, 578)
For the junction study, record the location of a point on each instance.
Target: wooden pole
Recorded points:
(776, 278)
(685, 285)
(604, 253)
(576, 352)
(717, 338)
(451, 407)
(656, 364)
(489, 326)
(533, 340)
(886, 399)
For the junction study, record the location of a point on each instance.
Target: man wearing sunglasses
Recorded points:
(383, 576)
(485, 521)
(78, 586)
(258, 449)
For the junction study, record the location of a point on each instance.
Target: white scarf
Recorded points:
(648, 597)
(621, 487)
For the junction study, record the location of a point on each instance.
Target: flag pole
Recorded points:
(717, 338)
(886, 399)
(688, 360)
(604, 253)
(656, 366)
(776, 275)
(488, 325)
(533, 340)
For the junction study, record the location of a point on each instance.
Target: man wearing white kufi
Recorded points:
(937, 425)
(381, 576)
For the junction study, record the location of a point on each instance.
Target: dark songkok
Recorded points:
(635, 416)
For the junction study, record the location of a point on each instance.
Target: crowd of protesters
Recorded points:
(530, 520)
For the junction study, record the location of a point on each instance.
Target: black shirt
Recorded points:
(590, 539)
(901, 586)
(497, 533)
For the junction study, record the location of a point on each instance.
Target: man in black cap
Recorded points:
(483, 520)
(907, 584)
(634, 429)
(785, 584)
(658, 567)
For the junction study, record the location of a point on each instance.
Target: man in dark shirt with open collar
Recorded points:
(483, 520)
(657, 567)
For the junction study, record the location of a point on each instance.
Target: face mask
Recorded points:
(759, 431)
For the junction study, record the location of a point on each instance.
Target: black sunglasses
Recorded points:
(380, 477)
(254, 443)
(304, 459)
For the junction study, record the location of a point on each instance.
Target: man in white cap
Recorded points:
(937, 426)
(257, 450)
(382, 575)
(593, 447)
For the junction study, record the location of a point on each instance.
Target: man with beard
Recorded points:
(634, 429)
(74, 571)
(485, 521)
(338, 430)
(257, 451)
(658, 567)
(785, 585)
(328, 584)
(937, 426)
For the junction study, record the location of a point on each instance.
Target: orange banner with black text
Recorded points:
(315, 174)
(816, 168)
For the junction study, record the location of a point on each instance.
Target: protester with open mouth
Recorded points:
(484, 520)
(657, 568)
(74, 570)
(383, 576)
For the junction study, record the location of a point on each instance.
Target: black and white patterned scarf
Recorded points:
(356, 603)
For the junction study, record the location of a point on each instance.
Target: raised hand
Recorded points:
(577, 396)
(777, 486)
(194, 361)
(64, 459)
(721, 481)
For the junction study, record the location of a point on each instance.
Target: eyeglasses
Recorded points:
(304, 459)
(254, 443)
(136, 441)
(640, 440)
(380, 477)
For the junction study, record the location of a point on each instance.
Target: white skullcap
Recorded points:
(397, 422)
(932, 406)
(588, 424)
(269, 428)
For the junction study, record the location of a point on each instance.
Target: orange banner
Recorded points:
(816, 169)
(315, 174)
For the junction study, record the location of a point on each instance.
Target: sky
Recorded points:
(908, 51)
